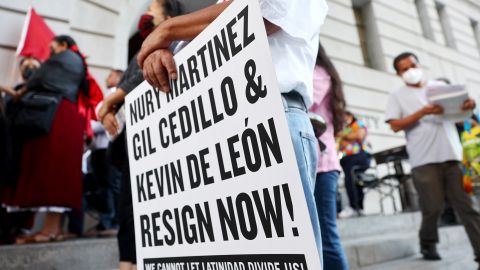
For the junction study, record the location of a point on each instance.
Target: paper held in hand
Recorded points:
(451, 98)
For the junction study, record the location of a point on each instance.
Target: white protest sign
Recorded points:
(215, 183)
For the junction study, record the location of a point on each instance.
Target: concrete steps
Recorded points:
(91, 254)
(371, 242)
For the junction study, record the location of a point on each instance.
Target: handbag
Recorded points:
(36, 113)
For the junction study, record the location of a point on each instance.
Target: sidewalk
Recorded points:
(458, 258)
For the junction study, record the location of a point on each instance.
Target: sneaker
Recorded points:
(347, 213)
(108, 233)
(429, 252)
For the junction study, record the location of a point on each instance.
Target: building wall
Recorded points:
(103, 27)
(398, 26)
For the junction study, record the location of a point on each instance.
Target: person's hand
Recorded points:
(432, 109)
(158, 68)
(105, 108)
(110, 123)
(468, 105)
(158, 39)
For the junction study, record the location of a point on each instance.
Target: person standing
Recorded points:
(293, 29)
(50, 179)
(435, 153)
(328, 102)
(158, 12)
(355, 159)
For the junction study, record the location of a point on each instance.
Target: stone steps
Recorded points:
(374, 250)
(368, 241)
(88, 254)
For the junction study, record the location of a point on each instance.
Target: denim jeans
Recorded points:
(325, 196)
(305, 146)
(354, 191)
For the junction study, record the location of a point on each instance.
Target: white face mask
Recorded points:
(413, 76)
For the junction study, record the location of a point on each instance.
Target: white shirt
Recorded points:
(431, 140)
(294, 48)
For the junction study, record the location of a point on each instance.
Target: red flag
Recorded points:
(36, 37)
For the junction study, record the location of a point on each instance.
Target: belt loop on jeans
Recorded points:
(293, 99)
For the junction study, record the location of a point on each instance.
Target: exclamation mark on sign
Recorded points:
(288, 202)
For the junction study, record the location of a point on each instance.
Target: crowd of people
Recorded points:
(78, 162)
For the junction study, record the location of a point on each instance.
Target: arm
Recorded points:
(401, 124)
(110, 102)
(185, 27)
(157, 61)
(7, 90)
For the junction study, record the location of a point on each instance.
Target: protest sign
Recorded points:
(215, 184)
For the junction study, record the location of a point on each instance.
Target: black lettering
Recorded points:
(231, 38)
(133, 113)
(194, 115)
(170, 237)
(173, 126)
(205, 123)
(178, 225)
(151, 194)
(230, 104)
(217, 117)
(164, 141)
(268, 214)
(204, 222)
(221, 48)
(223, 173)
(227, 218)
(185, 124)
(142, 195)
(177, 176)
(156, 229)
(145, 230)
(149, 101)
(234, 155)
(241, 200)
(269, 142)
(247, 38)
(193, 70)
(205, 166)
(201, 53)
(211, 55)
(190, 235)
(193, 171)
(137, 150)
(249, 141)
(184, 86)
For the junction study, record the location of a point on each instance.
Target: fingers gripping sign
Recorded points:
(158, 68)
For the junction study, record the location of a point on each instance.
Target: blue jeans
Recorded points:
(305, 146)
(354, 190)
(325, 196)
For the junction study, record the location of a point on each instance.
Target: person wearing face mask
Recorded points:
(50, 178)
(27, 66)
(13, 224)
(434, 152)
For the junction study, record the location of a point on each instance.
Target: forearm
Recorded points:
(7, 90)
(404, 123)
(187, 27)
(116, 97)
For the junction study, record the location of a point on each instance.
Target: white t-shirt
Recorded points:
(431, 140)
(294, 48)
